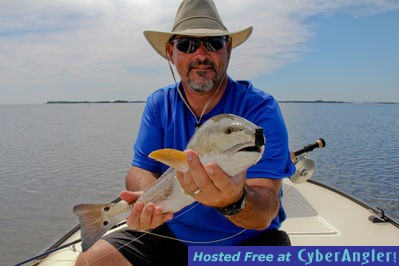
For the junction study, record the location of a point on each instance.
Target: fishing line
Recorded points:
(200, 242)
(175, 238)
(287, 191)
(198, 120)
(51, 251)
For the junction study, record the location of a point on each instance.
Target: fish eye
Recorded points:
(229, 130)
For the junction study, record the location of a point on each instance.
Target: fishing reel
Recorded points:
(304, 167)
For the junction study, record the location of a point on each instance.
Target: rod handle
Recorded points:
(320, 143)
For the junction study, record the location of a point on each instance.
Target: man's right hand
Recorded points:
(144, 216)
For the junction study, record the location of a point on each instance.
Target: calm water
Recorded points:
(55, 156)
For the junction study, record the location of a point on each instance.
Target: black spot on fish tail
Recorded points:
(93, 223)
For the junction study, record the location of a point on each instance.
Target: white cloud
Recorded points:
(95, 49)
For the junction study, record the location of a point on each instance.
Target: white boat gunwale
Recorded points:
(374, 211)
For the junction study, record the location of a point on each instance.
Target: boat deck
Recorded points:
(318, 215)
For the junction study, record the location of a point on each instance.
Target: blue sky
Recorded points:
(300, 50)
(350, 58)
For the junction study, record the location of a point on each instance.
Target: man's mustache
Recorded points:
(206, 63)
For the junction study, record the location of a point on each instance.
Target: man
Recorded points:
(241, 211)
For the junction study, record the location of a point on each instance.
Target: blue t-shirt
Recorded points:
(167, 123)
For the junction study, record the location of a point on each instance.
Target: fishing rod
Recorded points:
(305, 167)
(54, 249)
(48, 252)
(320, 143)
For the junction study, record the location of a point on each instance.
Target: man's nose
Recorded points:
(202, 50)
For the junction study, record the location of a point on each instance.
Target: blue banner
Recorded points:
(294, 255)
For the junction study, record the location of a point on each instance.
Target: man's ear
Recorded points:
(169, 52)
(229, 45)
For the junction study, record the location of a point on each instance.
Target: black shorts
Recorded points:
(143, 249)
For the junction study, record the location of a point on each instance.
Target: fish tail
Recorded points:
(95, 221)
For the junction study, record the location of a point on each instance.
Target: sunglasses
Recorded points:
(190, 45)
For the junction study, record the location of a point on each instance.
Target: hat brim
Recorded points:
(158, 39)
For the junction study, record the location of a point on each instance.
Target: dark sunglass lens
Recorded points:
(214, 44)
(187, 45)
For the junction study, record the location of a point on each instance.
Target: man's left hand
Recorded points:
(209, 184)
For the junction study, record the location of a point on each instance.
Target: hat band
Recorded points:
(210, 21)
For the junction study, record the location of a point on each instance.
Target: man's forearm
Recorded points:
(139, 179)
(262, 205)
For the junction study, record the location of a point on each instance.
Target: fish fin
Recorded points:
(171, 157)
(94, 222)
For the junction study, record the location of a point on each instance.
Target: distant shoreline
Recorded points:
(282, 101)
(85, 102)
(322, 101)
(316, 101)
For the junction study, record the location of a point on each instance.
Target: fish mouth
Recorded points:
(248, 146)
(259, 142)
(244, 147)
(251, 149)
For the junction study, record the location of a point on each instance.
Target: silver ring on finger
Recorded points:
(196, 192)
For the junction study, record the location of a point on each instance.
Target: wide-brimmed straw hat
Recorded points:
(195, 18)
